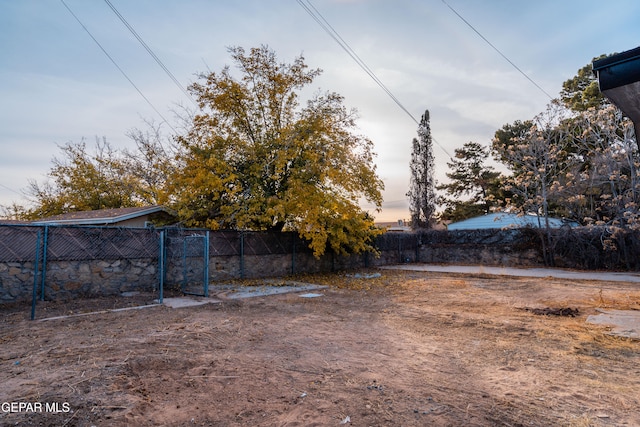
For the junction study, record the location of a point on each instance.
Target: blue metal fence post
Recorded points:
(161, 268)
(242, 255)
(184, 264)
(206, 264)
(44, 261)
(35, 278)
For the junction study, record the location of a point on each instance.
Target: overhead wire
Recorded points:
(317, 16)
(497, 50)
(117, 66)
(320, 19)
(10, 189)
(151, 52)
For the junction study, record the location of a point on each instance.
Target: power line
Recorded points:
(117, 66)
(497, 50)
(153, 55)
(10, 189)
(317, 16)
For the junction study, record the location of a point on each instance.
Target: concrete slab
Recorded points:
(311, 295)
(524, 272)
(271, 287)
(623, 323)
(181, 302)
(240, 292)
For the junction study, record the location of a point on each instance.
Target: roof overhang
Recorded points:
(104, 220)
(619, 79)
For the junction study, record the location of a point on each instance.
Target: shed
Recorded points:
(117, 217)
(502, 220)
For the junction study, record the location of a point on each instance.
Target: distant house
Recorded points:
(396, 226)
(118, 217)
(502, 220)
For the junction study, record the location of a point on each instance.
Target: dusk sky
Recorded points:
(57, 85)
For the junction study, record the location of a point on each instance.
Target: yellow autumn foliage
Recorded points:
(256, 158)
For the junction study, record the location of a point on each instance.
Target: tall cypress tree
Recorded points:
(422, 195)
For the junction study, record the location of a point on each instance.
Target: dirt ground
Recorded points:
(403, 349)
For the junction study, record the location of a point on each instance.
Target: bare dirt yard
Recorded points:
(403, 349)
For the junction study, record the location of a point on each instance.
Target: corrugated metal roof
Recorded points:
(502, 220)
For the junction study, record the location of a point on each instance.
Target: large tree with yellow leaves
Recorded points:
(255, 158)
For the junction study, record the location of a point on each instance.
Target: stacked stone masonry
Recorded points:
(67, 279)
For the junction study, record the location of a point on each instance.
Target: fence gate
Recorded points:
(191, 254)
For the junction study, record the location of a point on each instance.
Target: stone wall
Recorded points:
(73, 279)
(224, 268)
(68, 279)
(480, 255)
(16, 281)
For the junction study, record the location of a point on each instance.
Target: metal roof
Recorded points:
(100, 216)
(501, 220)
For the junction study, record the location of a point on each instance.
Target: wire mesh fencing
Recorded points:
(186, 260)
(68, 262)
(52, 262)
(18, 243)
(101, 243)
(193, 255)
(399, 247)
(20, 251)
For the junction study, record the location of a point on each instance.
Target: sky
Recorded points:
(58, 86)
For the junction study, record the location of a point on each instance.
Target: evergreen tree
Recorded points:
(422, 195)
(582, 92)
(474, 187)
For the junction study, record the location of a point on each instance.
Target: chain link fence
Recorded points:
(52, 262)
(100, 243)
(68, 262)
(18, 243)
(230, 255)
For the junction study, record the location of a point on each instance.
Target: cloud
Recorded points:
(57, 85)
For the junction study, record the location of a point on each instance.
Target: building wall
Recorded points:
(133, 222)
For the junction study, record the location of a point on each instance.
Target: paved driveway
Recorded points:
(526, 272)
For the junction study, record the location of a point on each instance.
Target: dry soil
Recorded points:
(403, 349)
